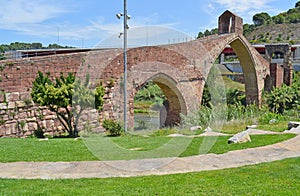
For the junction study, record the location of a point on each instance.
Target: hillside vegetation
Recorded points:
(284, 27)
(275, 33)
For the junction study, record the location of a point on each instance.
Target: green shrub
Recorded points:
(234, 95)
(266, 118)
(284, 98)
(99, 94)
(239, 111)
(113, 127)
(201, 117)
(39, 133)
(206, 116)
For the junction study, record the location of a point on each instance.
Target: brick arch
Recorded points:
(253, 66)
(171, 71)
(175, 104)
(145, 54)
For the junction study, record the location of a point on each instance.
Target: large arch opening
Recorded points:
(238, 72)
(248, 67)
(164, 106)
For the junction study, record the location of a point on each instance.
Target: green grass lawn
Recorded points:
(221, 147)
(140, 143)
(277, 127)
(31, 149)
(122, 148)
(276, 178)
(229, 83)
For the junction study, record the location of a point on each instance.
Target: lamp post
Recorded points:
(125, 17)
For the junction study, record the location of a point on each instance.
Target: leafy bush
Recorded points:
(266, 118)
(234, 95)
(201, 117)
(239, 111)
(99, 93)
(67, 97)
(39, 133)
(150, 92)
(113, 127)
(205, 116)
(284, 98)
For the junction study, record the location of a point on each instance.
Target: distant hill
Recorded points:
(275, 33)
(284, 27)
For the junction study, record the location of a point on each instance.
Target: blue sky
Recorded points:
(93, 23)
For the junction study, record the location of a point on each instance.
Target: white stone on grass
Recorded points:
(241, 137)
(195, 128)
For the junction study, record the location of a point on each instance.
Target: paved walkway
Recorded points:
(160, 166)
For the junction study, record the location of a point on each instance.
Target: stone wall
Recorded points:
(17, 75)
(19, 116)
(285, 50)
(276, 75)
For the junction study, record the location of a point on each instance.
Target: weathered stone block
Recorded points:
(49, 117)
(32, 126)
(25, 96)
(2, 97)
(5, 117)
(25, 128)
(20, 104)
(50, 124)
(3, 106)
(11, 105)
(33, 119)
(15, 96)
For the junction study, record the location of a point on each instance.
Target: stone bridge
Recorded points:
(180, 70)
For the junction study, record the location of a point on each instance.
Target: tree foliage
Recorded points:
(207, 33)
(248, 28)
(279, 19)
(66, 96)
(150, 92)
(28, 46)
(261, 19)
(285, 97)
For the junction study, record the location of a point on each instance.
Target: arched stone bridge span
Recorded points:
(180, 70)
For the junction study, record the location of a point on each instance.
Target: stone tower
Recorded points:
(230, 23)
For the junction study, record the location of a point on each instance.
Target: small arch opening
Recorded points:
(158, 103)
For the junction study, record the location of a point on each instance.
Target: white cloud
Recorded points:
(28, 12)
(37, 18)
(31, 17)
(244, 8)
